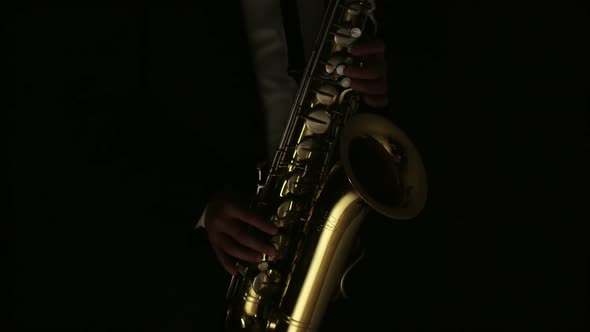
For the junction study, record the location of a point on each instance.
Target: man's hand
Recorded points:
(237, 233)
(370, 80)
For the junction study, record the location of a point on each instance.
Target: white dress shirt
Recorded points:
(269, 53)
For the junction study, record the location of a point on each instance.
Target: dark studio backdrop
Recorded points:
(117, 130)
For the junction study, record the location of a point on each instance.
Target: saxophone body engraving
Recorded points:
(333, 166)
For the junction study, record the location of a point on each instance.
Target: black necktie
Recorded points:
(292, 27)
(301, 36)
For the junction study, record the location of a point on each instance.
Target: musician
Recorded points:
(115, 152)
(227, 216)
(281, 40)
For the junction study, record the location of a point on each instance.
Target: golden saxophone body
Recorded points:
(333, 166)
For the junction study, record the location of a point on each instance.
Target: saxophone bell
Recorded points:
(384, 166)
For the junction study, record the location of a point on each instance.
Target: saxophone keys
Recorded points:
(305, 148)
(336, 64)
(279, 241)
(276, 244)
(345, 36)
(345, 82)
(354, 9)
(266, 281)
(263, 266)
(327, 94)
(286, 208)
(318, 121)
(292, 183)
(286, 213)
(295, 183)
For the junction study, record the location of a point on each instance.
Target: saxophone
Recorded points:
(333, 166)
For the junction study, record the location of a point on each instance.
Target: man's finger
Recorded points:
(371, 71)
(239, 232)
(251, 218)
(370, 47)
(378, 101)
(370, 87)
(236, 250)
(226, 261)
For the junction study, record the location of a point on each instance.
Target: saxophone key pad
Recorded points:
(345, 82)
(265, 281)
(280, 222)
(295, 184)
(333, 62)
(263, 266)
(355, 32)
(320, 126)
(278, 241)
(327, 94)
(286, 208)
(336, 64)
(306, 147)
(345, 37)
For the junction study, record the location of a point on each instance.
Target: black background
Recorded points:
(494, 94)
